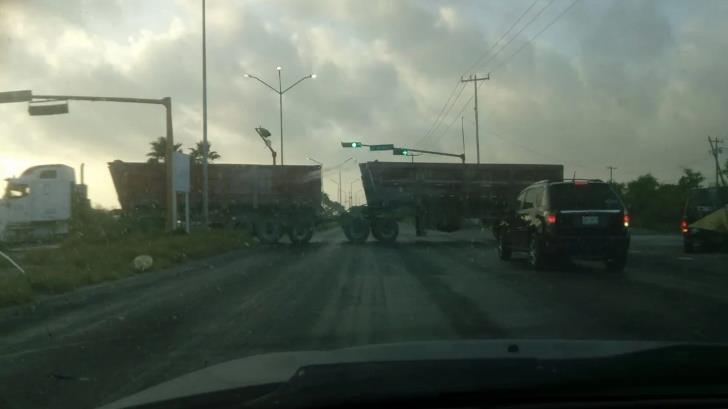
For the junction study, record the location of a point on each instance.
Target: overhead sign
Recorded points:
(385, 147)
(181, 172)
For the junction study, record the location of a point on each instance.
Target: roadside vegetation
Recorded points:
(658, 206)
(102, 247)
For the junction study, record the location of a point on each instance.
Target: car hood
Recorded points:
(280, 367)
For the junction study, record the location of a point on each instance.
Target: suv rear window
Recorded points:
(570, 196)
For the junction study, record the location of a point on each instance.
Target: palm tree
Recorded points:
(198, 151)
(159, 149)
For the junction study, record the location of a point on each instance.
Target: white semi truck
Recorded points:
(38, 204)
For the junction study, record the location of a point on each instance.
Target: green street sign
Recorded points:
(385, 147)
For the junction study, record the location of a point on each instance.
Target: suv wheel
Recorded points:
(535, 252)
(504, 251)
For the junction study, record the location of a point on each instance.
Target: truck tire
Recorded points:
(357, 230)
(385, 230)
(301, 231)
(268, 229)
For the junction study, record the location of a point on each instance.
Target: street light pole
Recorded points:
(264, 135)
(351, 191)
(280, 106)
(340, 165)
(205, 148)
(338, 184)
(280, 91)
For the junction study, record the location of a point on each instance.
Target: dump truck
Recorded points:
(265, 199)
(437, 195)
(37, 206)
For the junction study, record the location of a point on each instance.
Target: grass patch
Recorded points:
(101, 250)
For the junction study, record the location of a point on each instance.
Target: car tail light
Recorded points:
(626, 219)
(580, 182)
(551, 218)
(684, 226)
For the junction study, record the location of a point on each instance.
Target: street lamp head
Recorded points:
(246, 75)
(313, 76)
(279, 68)
(262, 132)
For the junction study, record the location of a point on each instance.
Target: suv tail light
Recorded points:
(551, 218)
(626, 219)
(684, 226)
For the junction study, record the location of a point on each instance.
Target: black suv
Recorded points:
(582, 219)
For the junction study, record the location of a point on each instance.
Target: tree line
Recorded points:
(158, 151)
(659, 205)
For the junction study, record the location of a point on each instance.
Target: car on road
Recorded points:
(700, 204)
(578, 218)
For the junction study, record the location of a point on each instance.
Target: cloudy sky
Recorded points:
(633, 84)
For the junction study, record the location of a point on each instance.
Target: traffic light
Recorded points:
(351, 144)
(400, 151)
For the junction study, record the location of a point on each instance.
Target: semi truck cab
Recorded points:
(37, 205)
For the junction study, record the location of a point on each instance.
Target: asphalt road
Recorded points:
(104, 342)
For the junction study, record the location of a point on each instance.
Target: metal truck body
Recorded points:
(38, 204)
(437, 195)
(271, 200)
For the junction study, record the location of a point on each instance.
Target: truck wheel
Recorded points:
(268, 229)
(357, 230)
(301, 232)
(385, 230)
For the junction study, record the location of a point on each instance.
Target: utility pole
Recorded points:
(462, 131)
(205, 148)
(474, 79)
(715, 150)
(611, 169)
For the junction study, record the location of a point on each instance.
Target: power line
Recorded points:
(534, 18)
(518, 20)
(440, 117)
(563, 12)
(428, 138)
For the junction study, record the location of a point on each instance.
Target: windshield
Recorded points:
(193, 182)
(589, 196)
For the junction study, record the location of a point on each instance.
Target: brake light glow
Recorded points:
(684, 226)
(580, 182)
(626, 219)
(551, 218)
